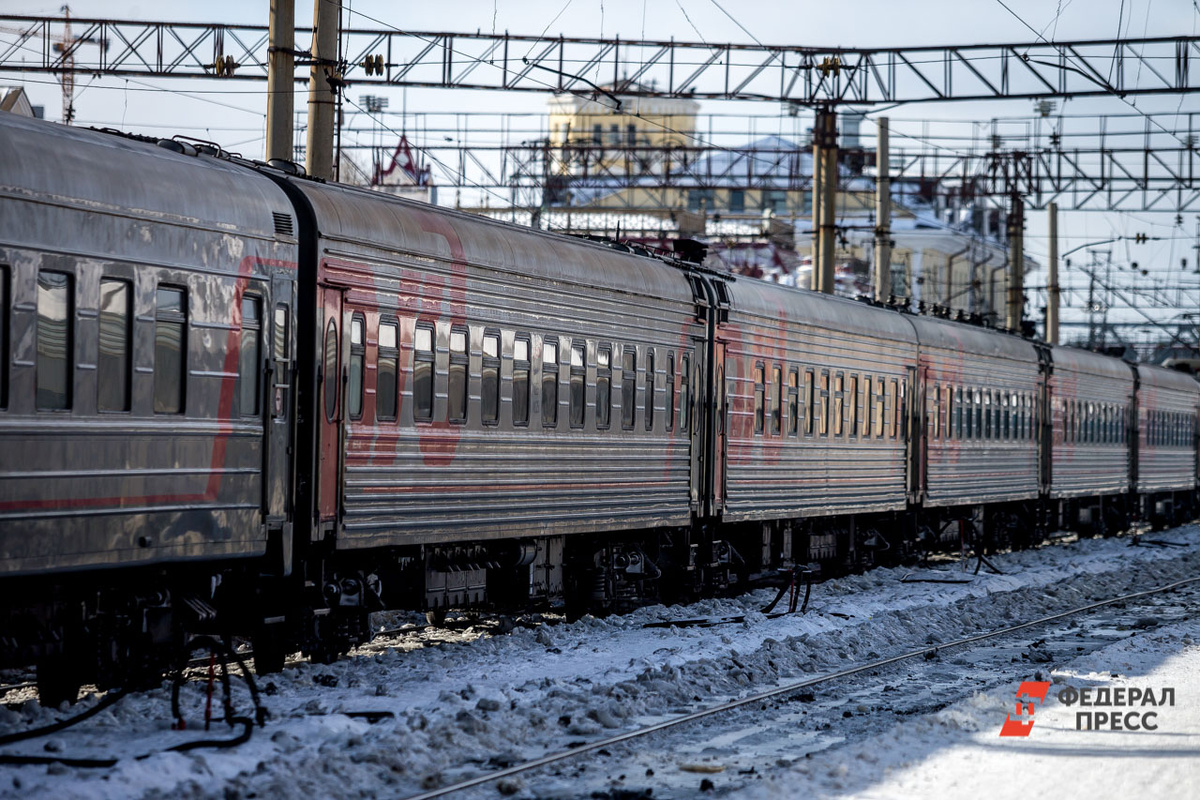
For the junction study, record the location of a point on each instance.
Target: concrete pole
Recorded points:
(817, 196)
(883, 215)
(825, 187)
(1016, 272)
(1052, 289)
(322, 101)
(281, 80)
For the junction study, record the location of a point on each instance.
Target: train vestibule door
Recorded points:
(720, 417)
(329, 426)
(280, 401)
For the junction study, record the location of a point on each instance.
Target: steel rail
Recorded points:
(780, 691)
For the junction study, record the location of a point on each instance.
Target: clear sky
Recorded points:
(234, 114)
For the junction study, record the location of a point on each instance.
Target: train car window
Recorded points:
(457, 383)
(489, 380)
(991, 419)
(386, 371)
(1004, 421)
(520, 383)
(4, 355)
(55, 345)
(685, 391)
(948, 402)
(650, 386)
(281, 333)
(422, 390)
(329, 372)
(823, 404)
(969, 402)
(902, 410)
(852, 403)
(810, 390)
(578, 383)
(889, 410)
(671, 390)
(549, 383)
(170, 350)
(839, 400)
(958, 412)
(358, 357)
(935, 411)
(979, 414)
(249, 356)
(880, 406)
(628, 388)
(604, 386)
(793, 423)
(777, 405)
(759, 397)
(112, 359)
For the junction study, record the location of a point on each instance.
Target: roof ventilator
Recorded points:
(283, 223)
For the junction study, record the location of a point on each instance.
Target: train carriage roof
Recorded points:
(105, 172)
(973, 340)
(1088, 362)
(360, 218)
(1162, 378)
(836, 314)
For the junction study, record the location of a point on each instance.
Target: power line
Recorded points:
(1107, 85)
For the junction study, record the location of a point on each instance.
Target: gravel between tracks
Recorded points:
(473, 704)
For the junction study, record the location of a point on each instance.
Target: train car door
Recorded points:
(329, 444)
(690, 406)
(720, 408)
(280, 402)
(912, 404)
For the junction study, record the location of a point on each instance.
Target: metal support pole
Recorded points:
(1052, 288)
(883, 215)
(1016, 271)
(321, 95)
(281, 80)
(824, 199)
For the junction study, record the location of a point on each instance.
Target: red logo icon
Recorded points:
(1029, 695)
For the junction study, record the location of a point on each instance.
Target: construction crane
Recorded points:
(66, 45)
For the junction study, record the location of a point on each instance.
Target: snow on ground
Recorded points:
(467, 707)
(958, 752)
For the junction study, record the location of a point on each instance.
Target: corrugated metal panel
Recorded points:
(964, 470)
(1088, 468)
(772, 476)
(1165, 467)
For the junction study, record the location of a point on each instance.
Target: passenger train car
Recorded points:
(240, 401)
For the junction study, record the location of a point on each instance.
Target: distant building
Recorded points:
(14, 100)
(618, 133)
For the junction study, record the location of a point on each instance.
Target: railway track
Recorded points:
(579, 750)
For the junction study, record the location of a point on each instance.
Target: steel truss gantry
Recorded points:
(804, 76)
